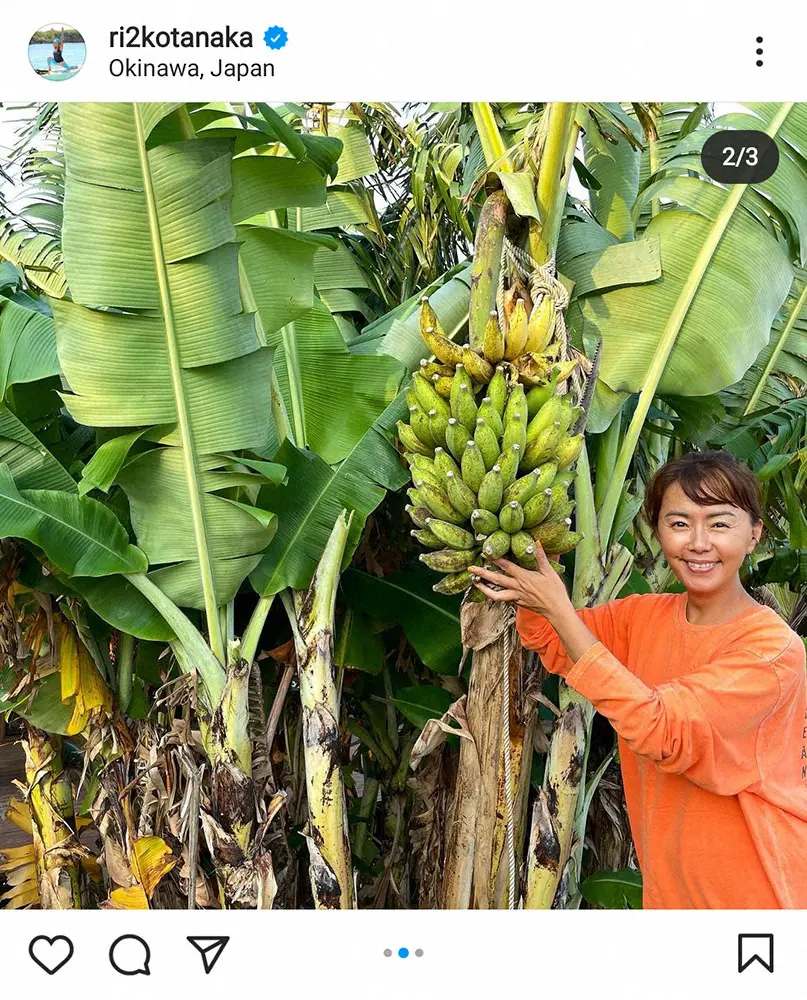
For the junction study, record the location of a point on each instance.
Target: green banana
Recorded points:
(493, 343)
(476, 366)
(419, 422)
(515, 432)
(437, 342)
(427, 396)
(567, 478)
(442, 383)
(417, 496)
(491, 416)
(419, 515)
(522, 545)
(508, 462)
(537, 507)
(543, 447)
(491, 489)
(421, 476)
(516, 404)
(487, 442)
(464, 406)
(550, 412)
(484, 522)
(462, 497)
(457, 438)
(439, 504)
(540, 395)
(551, 534)
(511, 517)
(567, 542)
(497, 390)
(428, 369)
(561, 512)
(411, 441)
(426, 538)
(546, 473)
(473, 466)
(438, 422)
(450, 534)
(522, 489)
(453, 584)
(449, 560)
(568, 450)
(497, 545)
(444, 463)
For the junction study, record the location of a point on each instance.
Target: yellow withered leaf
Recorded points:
(19, 814)
(80, 680)
(151, 861)
(133, 898)
(22, 896)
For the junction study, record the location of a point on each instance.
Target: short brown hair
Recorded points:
(707, 477)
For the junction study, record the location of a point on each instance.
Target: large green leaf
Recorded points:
(334, 395)
(725, 276)
(79, 535)
(620, 890)
(31, 464)
(157, 335)
(431, 621)
(615, 165)
(27, 342)
(315, 496)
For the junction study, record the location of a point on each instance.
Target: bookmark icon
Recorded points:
(210, 948)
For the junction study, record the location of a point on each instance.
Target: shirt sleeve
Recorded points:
(703, 725)
(608, 622)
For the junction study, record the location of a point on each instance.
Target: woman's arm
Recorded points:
(703, 726)
(543, 605)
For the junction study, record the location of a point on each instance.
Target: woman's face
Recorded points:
(704, 544)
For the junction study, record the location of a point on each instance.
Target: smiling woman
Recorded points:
(705, 689)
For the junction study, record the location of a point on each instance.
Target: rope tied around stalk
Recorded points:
(507, 647)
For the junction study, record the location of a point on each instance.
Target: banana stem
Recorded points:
(252, 635)
(196, 654)
(493, 146)
(311, 614)
(553, 177)
(125, 669)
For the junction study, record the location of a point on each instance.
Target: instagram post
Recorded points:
(403, 509)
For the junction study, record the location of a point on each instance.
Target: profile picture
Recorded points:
(57, 51)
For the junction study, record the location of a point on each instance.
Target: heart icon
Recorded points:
(51, 954)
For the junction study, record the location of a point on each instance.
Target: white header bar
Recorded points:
(419, 50)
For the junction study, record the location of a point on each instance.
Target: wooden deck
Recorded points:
(12, 765)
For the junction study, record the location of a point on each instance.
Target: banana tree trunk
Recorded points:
(311, 614)
(476, 872)
(53, 822)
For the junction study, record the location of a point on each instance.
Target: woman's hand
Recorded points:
(540, 590)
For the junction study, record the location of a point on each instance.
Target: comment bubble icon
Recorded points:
(130, 956)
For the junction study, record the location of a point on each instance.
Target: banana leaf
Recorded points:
(156, 336)
(430, 621)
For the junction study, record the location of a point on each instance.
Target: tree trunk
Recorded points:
(476, 863)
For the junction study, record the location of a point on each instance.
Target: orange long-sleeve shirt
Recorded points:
(712, 727)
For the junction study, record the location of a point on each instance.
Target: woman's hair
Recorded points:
(707, 477)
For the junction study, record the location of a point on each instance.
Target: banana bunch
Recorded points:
(489, 446)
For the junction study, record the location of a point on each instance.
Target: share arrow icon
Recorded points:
(210, 948)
